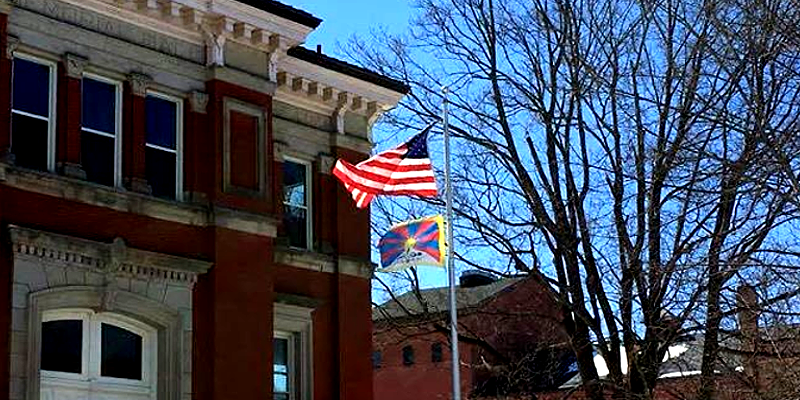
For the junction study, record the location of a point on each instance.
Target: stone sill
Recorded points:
(318, 262)
(202, 215)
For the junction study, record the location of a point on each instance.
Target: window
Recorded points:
(96, 354)
(408, 355)
(283, 370)
(292, 352)
(436, 352)
(100, 138)
(164, 145)
(377, 359)
(33, 113)
(296, 200)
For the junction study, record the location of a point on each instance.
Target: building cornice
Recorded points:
(217, 22)
(115, 257)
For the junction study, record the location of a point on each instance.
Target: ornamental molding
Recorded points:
(198, 102)
(114, 258)
(214, 23)
(12, 44)
(74, 65)
(139, 83)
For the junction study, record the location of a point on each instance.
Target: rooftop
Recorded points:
(436, 300)
(285, 11)
(343, 67)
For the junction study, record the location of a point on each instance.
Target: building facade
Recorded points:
(170, 228)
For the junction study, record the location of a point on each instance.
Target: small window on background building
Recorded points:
(163, 135)
(32, 114)
(296, 200)
(100, 131)
(377, 359)
(408, 355)
(282, 368)
(436, 352)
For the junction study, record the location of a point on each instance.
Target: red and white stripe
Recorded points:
(387, 173)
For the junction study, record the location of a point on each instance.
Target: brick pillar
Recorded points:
(68, 125)
(355, 337)
(197, 153)
(352, 241)
(234, 320)
(5, 86)
(353, 227)
(134, 169)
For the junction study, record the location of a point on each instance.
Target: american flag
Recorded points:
(403, 170)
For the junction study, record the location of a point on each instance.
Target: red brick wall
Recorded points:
(233, 303)
(514, 318)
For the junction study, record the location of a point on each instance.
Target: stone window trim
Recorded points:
(111, 258)
(113, 261)
(179, 137)
(230, 105)
(118, 120)
(309, 197)
(52, 65)
(296, 320)
(165, 321)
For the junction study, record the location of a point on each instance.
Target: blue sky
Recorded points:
(340, 21)
(343, 19)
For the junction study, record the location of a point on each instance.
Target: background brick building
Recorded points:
(510, 341)
(169, 226)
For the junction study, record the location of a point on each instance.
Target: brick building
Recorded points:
(510, 341)
(169, 226)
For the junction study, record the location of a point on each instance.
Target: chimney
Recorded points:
(747, 301)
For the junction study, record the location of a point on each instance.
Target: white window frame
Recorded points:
(178, 138)
(309, 198)
(291, 363)
(90, 377)
(51, 104)
(294, 323)
(117, 136)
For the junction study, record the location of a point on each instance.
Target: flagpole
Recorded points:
(456, 370)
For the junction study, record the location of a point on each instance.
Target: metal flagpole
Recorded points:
(450, 270)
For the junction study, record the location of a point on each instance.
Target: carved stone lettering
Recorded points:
(113, 27)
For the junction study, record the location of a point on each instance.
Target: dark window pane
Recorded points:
(31, 87)
(161, 122)
(436, 352)
(99, 105)
(377, 359)
(161, 172)
(97, 158)
(29, 142)
(62, 345)
(296, 225)
(408, 355)
(121, 353)
(294, 183)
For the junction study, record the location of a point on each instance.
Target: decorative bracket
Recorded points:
(75, 65)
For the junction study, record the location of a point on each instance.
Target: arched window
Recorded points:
(96, 355)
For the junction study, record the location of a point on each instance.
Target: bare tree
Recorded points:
(638, 157)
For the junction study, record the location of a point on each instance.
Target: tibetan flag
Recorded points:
(413, 243)
(402, 171)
